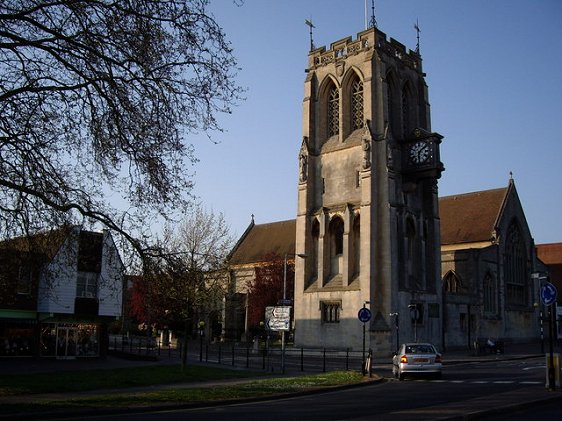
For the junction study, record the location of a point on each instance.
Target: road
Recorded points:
(464, 389)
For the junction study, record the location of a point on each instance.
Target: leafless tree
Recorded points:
(189, 282)
(96, 100)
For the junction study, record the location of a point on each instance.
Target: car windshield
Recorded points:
(419, 349)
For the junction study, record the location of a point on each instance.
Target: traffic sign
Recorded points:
(364, 315)
(278, 318)
(548, 294)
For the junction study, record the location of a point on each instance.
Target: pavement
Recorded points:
(502, 403)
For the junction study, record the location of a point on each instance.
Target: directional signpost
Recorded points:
(364, 315)
(278, 318)
(548, 295)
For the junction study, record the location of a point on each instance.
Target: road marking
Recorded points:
(504, 382)
(530, 382)
(480, 381)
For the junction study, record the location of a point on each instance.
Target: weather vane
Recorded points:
(310, 25)
(373, 20)
(418, 30)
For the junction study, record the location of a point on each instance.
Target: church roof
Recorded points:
(550, 253)
(465, 218)
(471, 217)
(262, 239)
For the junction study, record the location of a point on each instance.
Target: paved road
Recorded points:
(466, 390)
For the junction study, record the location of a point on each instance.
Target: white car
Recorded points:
(416, 358)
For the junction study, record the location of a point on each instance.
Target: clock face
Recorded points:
(420, 152)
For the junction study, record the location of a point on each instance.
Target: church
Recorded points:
(368, 227)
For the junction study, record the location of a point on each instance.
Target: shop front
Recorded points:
(17, 333)
(68, 340)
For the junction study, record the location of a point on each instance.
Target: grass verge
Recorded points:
(240, 390)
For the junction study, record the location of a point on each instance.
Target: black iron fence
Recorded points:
(257, 356)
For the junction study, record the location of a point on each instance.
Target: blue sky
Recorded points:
(494, 71)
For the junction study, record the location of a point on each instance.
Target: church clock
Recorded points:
(420, 152)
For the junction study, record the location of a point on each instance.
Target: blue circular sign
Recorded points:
(364, 315)
(548, 294)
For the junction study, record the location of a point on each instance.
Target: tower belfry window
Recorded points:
(334, 112)
(357, 105)
(405, 112)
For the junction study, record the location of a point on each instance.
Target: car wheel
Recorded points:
(438, 376)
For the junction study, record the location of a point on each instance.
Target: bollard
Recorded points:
(302, 359)
(324, 361)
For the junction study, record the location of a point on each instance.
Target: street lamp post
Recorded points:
(201, 335)
(284, 302)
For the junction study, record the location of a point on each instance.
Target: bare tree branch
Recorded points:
(96, 100)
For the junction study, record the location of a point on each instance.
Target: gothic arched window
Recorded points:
(336, 246)
(490, 295)
(356, 244)
(393, 104)
(406, 111)
(356, 104)
(333, 111)
(336, 236)
(515, 266)
(315, 248)
(452, 282)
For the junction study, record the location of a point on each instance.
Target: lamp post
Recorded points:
(284, 302)
(201, 335)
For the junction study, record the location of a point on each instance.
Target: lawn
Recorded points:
(98, 380)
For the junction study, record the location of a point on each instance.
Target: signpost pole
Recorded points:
(551, 373)
(364, 316)
(548, 295)
(363, 361)
(284, 299)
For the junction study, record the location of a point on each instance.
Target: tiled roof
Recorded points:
(550, 253)
(262, 239)
(465, 218)
(470, 217)
(45, 243)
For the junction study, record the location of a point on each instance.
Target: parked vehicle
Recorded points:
(414, 358)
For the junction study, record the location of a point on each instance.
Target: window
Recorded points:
(333, 112)
(330, 311)
(515, 264)
(452, 282)
(336, 234)
(315, 248)
(462, 322)
(356, 246)
(356, 104)
(406, 124)
(336, 246)
(87, 285)
(489, 292)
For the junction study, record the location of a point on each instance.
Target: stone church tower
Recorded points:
(367, 217)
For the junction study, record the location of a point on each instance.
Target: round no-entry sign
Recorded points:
(364, 315)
